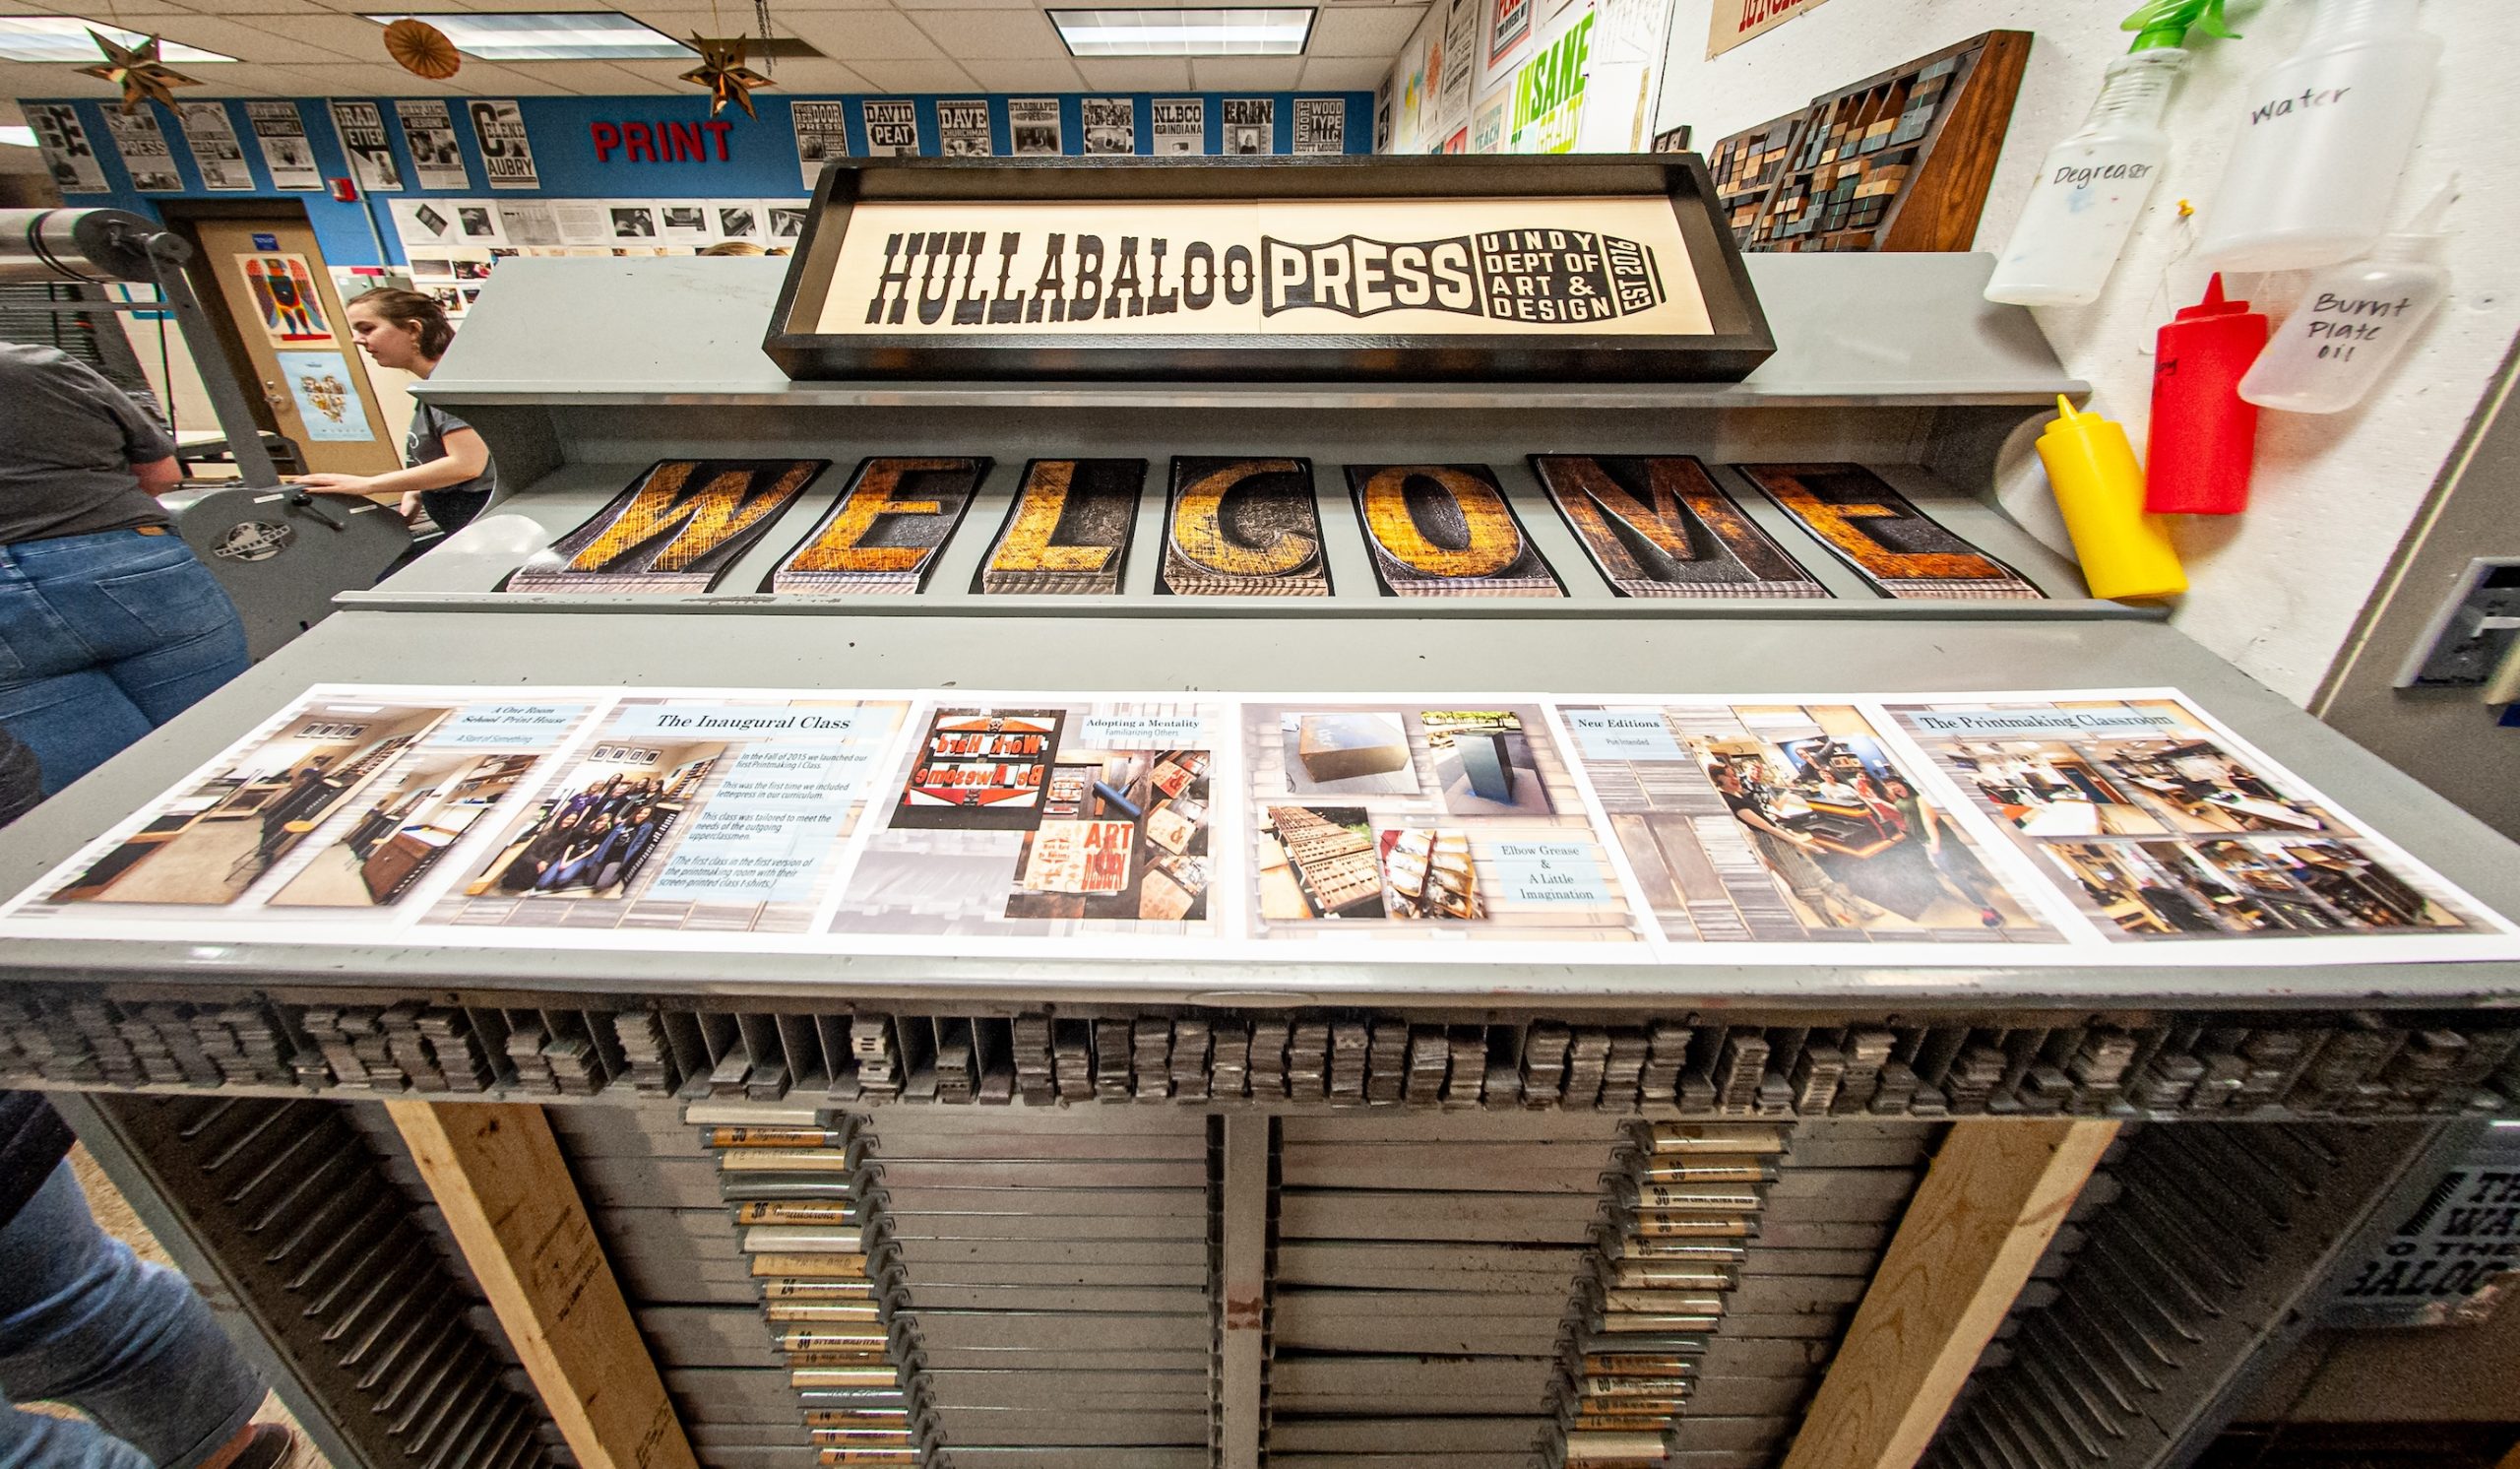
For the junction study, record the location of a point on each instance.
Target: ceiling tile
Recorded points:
(934, 75)
(853, 36)
(274, 38)
(1139, 74)
(99, 10)
(1378, 32)
(1030, 5)
(1026, 76)
(796, 74)
(1024, 34)
(336, 35)
(1344, 73)
(1246, 73)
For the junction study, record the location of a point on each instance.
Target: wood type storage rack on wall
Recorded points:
(1896, 161)
(478, 1205)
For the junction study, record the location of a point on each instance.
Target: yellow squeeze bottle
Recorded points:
(2100, 487)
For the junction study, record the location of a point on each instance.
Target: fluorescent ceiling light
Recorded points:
(66, 39)
(1183, 32)
(562, 35)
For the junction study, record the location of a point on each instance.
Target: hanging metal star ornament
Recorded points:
(139, 72)
(723, 71)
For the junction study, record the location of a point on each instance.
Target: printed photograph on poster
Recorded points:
(146, 156)
(738, 221)
(822, 133)
(1180, 125)
(67, 153)
(785, 224)
(962, 129)
(1250, 125)
(507, 154)
(428, 135)
(1110, 124)
(479, 221)
(677, 527)
(1321, 124)
(2158, 826)
(1033, 125)
(280, 130)
(1786, 824)
(327, 405)
(1424, 821)
(285, 295)
(361, 129)
(423, 223)
(209, 843)
(526, 224)
(892, 127)
(684, 223)
(1046, 820)
(216, 154)
(633, 221)
(722, 814)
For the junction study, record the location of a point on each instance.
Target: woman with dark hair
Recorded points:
(451, 475)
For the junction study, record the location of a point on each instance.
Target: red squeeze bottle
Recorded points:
(2203, 439)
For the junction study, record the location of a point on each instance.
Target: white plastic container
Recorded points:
(2323, 141)
(2091, 189)
(2354, 321)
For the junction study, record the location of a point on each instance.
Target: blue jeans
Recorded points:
(129, 1345)
(103, 639)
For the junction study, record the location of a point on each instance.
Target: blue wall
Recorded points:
(761, 154)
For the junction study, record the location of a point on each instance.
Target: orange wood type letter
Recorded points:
(1029, 543)
(707, 520)
(1842, 526)
(838, 547)
(1492, 541)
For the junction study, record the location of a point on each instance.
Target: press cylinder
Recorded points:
(93, 245)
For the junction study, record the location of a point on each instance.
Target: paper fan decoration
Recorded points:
(423, 49)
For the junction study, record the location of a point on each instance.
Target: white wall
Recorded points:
(2276, 589)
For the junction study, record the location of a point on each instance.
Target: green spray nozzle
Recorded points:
(2165, 23)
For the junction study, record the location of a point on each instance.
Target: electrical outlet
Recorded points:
(2474, 632)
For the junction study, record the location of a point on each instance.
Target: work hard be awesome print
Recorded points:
(1311, 267)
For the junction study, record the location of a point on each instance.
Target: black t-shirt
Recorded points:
(68, 439)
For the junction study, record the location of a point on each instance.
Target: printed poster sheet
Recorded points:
(281, 129)
(822, 133)
(146, 156)
(216, 151)
(67, 153)
(2105, 828)
(428, 132)
(361, 129)
(507, 152)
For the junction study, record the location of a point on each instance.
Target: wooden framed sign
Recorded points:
(1601, 269)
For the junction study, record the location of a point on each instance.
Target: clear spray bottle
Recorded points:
(2354, 319)
(2092, 187)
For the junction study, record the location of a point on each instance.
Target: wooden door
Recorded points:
(272, 279)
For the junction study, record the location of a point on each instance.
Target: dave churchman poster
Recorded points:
(507, 154)
(962, 129)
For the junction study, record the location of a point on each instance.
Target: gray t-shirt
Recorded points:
(430, 425)
(68, 439)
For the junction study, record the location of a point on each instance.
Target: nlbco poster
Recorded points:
(1180, 125)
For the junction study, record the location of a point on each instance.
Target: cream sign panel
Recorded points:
(1281, 268)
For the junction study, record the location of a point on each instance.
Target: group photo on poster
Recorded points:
(1786, 824)
(1423, 821)
(1026, 820)
(2160, 829)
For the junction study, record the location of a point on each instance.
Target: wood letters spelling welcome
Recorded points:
(1653, 527)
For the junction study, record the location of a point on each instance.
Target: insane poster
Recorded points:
(281, 129)
(725, 814)
(361, 129)
(1046, 820)
(216, 154)
(677, 529)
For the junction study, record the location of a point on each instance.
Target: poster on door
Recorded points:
(282, 132)
(284, 296)
(428, 131)
(216, 151)
(318, 382)
(507, 154)
(66, 149)
(145, 153)
(361, 126)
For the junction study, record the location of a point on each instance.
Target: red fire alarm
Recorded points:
(344, 191)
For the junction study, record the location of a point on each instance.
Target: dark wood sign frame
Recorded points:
(1740, 341)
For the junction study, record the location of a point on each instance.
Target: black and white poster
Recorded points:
(1250, 125)
(1110, 124)
(785, 224)
(507, 154)
(281, 131)
(1032, 122)
(216, 151)
(737, 220)
(891, 128)
(634, 224)
(962, 129)
(1180, 125)
(1321, 124)
(361, 126)
(822, 133)
(428, 134)
(66, 149)
(145, 153)
(2455, 1258)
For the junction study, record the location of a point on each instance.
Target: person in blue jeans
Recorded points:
(109, 627)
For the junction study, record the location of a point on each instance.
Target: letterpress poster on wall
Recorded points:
(891, 128)
(507, 154)
(1033, 124)
(962, 129)
(67, 153)
(1110, 124)
(216, 151)
(1250, 125)
(1321, 124)
(361, 129)
(822, 133)
(428, 132)
(1180, 125)
(286, 154)
(145, 153)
